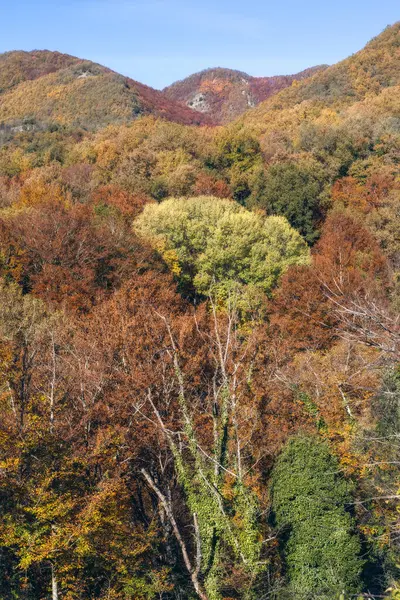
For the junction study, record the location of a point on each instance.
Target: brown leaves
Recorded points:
(67, 258)
(347, 265)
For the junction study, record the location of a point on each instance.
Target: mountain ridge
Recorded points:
(51, 86)
(46, 86)
(224, 93)
(366, 72)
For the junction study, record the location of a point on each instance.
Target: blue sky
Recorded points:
(159, 41)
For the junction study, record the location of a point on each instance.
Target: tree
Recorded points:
(208, 437)
(166, 396)
(72, 256)
(216, 245)
(380, 478)
(343, 291)
(294, 190)
(73, 514)
(309, 500)
(238, 149)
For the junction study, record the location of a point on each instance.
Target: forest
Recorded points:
(199, 337)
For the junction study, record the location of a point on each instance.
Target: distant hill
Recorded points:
(364, 74)
(19, 66)
(48, 86)
(224, 94)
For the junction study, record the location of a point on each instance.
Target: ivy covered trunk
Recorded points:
(224, 508)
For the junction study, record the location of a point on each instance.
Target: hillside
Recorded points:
(224, 94)
(51, 87)
(199, 335)
(19, 66)
(363, 74)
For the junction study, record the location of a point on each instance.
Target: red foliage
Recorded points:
(348, 258)
(157, 103)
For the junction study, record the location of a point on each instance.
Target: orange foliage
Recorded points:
(65, 257)
(206, 185)
(130, 205)
(364, 197)
(346, 261)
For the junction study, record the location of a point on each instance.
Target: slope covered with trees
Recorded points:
(52, 87)
(224, 94)
(199, 345)
(364, 74)
(19, 66)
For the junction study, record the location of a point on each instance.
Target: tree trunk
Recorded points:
(193, 572)
(54, 586)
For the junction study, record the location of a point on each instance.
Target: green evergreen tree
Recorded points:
(321, 551)
(381, 443)
(295, 191)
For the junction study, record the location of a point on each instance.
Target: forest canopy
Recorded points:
(199, 336)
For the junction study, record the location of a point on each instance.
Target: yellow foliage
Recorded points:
(57, 92)
(172, 261)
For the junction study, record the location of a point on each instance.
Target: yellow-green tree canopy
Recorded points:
(215, 245)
